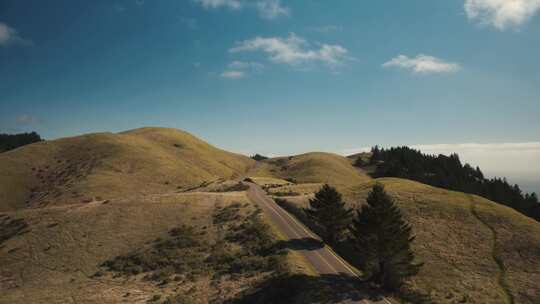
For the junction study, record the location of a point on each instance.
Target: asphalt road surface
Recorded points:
(322, 258)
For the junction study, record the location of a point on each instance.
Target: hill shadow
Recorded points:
(327, 288)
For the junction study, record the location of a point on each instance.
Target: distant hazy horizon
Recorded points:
(282, 77)
(518, 162)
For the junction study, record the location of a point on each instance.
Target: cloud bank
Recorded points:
(497, 159)
(519, 162)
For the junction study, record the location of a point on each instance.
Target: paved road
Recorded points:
(323, 259)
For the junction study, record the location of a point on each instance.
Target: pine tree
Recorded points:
(376, 155)
(328, 211)
(383, 241)
(360, 162)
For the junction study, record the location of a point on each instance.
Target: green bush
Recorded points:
(179, 253)
(245, 246)
(283, 193)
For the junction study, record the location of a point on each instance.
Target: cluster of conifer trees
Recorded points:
(376, 238)
(448, 172)
(12, 141)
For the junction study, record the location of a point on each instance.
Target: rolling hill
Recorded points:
(474, 250)
(80, 215)
(106, 165)
(315, 167)
(113, 252)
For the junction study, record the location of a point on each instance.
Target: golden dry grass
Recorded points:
(316, 167)
(463, 241)
(296, 189)
(269, 181)
(474, 250)
(517, 246)
(106, 165)
(54, 262)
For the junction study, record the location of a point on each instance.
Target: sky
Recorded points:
(283, 77)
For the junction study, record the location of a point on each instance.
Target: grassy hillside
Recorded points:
(474, 250)
(99, 166)
(124, 218)
(188, 248)
(313, 167)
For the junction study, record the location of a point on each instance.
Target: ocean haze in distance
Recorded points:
(518, 162)
(283, 77)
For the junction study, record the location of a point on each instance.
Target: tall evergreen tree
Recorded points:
(375, 155)
(383, 241)
(328, 211)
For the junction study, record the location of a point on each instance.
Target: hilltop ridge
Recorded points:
(107, 165)
(312, 167)
(68, 205)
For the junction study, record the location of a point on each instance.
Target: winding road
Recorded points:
(322, 258)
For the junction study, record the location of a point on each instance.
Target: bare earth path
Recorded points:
(322, 258)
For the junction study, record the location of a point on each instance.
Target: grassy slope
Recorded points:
(54, 261)
(141, 161)
(313, 167)
(474, 250)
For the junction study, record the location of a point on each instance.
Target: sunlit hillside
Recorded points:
(474, 250)
(313, 167)
(105, 165)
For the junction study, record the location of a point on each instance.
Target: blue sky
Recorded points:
(275, 77)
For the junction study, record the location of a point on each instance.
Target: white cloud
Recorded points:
(271, 9)
(502, 14)
(267, 9)
(423, 64)
(10, 36)
(232, 4)
(233, 74)
(293, 50)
